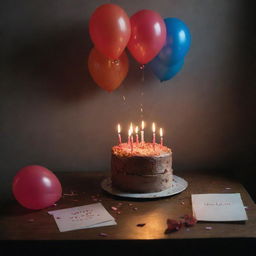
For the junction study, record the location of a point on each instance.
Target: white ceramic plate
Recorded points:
(178, 185)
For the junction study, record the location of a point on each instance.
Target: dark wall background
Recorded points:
(52, 114)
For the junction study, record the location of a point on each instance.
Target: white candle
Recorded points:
(131, 128)
(137, 136)
(119, 134)
(142, 131)
(161, 136)
(131, 139)
(154, 134)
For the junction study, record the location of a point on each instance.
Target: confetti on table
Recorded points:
(103, 234)
(141, 224)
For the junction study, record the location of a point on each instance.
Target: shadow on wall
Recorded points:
(59, 60)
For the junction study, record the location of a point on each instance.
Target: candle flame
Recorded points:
(129, 132)
(118, 128)
(131, 128)
(161, 132)
(136, 129)
(153, 127)
(142, 125)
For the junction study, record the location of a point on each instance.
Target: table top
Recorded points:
(80, 188)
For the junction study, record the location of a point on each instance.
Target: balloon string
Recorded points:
(142, 68)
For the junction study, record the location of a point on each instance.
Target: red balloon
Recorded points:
(148, 35)
(36, 187)
(110, 30)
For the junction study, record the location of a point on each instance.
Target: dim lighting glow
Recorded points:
(142, 125)
(161, 132)
(131, 128)
(153, 127)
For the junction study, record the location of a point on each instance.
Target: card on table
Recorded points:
(218, 207)
(86, 216)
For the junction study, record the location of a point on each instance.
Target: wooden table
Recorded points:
(20, 224)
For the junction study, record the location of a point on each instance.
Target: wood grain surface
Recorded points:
(18, 223)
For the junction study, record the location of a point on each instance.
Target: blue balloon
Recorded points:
(178, 40)
(164, 72)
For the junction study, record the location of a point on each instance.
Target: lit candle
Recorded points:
(131, 128)
(131, 139)
(137, 136)
(154, 134)
(142, 131)
(161, 136)
(119, 133)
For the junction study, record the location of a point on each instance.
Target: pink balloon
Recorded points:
(148, 35)
(36, 187)
(110, 30)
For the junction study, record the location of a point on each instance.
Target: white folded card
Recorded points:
(86, 216)
(218, 207)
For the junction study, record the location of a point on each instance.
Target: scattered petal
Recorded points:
(189, 221)
(208, 228)
(182, 202)
(130, 204)
(135, 208)
(172, 226)
(113, 208)
(120, 204)
(70, 194)
(103, 234)
(118, 212)
(141, 224)
(246, 207)
(227, 188)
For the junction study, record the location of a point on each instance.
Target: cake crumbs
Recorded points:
(103, 234)
(141, 224)
(70, 194)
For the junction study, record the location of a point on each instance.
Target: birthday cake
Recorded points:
(144, 169)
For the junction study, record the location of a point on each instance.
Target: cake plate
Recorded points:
(178, 185)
